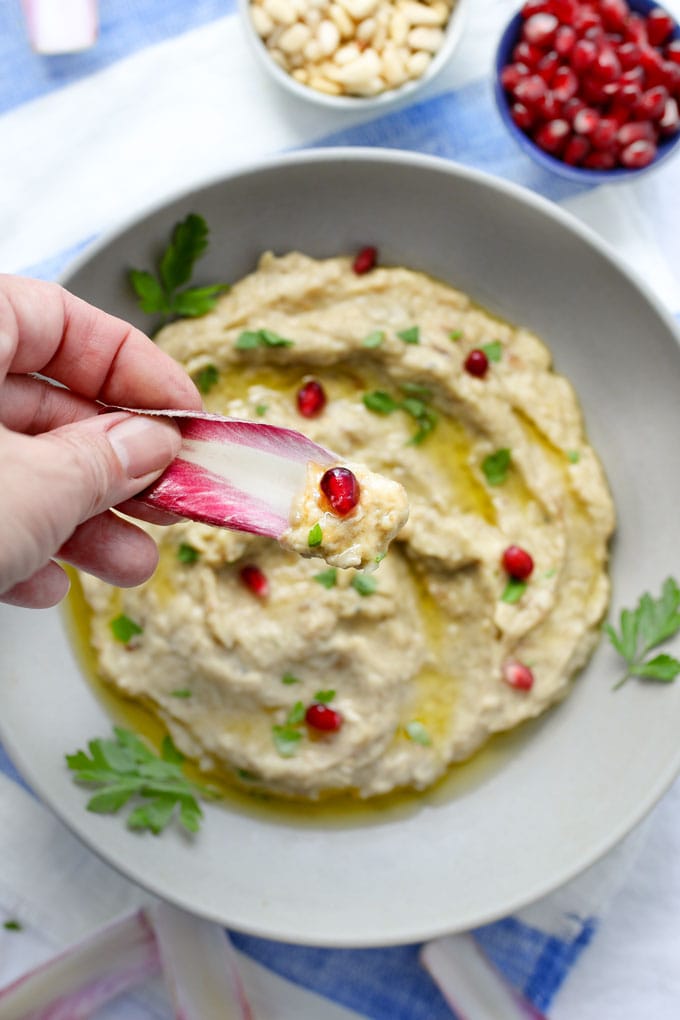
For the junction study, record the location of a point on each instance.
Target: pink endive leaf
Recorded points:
(61, 26)
(199, 966)
(79, 981)
(470, 983)
(237, 474)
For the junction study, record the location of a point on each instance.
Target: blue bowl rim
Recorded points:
(508, 40)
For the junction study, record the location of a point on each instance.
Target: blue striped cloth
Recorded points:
(458, 121)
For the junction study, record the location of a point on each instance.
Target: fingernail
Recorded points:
(144, 445)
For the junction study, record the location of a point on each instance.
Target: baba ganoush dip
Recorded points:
(304, 679)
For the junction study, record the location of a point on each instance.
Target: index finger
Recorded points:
(46, 329)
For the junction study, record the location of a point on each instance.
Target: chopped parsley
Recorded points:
(513, 591)
(380, 402)
(456, 334)
(261, 409)
(206, 378)
(13, 925)
(496, 467)
(289, 678)
(374, 339)
(187, 553)
(494, 350)
(286, 737)
(327, 578)
(573, 456)
(364, 584)
(410, 335)
(418, 733)
(124, 629)
(324, 697)
(315, 536)
(414, 389)
(250, 339)
(181, 692)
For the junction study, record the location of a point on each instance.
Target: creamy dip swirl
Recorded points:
(414, 658)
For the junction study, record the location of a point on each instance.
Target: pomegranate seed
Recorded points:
(517, 675)
(629, 94)
(365, 260)
(548, 108)
(522, 116)
(636, 29)
(586, 121)
(629, 54)
(659, 26)
(671, 77)
(311, 399)
(529, 90)
(614, 14)
(593, 89)
(638, 154)
(525, 53)
(341, 488)
(548, 65)
(534, 7)
(585, 18)
(564, 84)
(583, 55)
(553, 136)
(572, 107)
(673, 51)
(255, 580)
(576, 150)
(604, 135)
(634, 74)
(565, 38)
(620, 113)
(539, 29)
(600, 160)
(652, 103)
(565, 10)
(607, 65)
(636, 131)
(476, 363)
(670, 122)
(512, 74)
(652, 63)
(517, 562)
(323, 717)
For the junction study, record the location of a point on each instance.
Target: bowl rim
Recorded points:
(666, 776)
(581, 175)
(452, 35)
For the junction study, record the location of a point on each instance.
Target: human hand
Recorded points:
(63, 464)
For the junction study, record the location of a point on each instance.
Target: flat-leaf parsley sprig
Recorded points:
(652, 622)
(125, 770)
(162, 294)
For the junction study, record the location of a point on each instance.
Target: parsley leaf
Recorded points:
(364, 584)
(13, 925)
(652, 622)
(573, 456)
(124, 629)
(206, 378)
(410, 335)
(261, 409)
(514, 590)
(496, 467)
(324, 697)
(250, 339)
(161, 294)
(187, 553)
(315, 536)
(286, 740)
(125, 769)
(374, 339)
(181, 692)
(290, 678)
(380, 402)
(327, 578)
(418, 733)
(456, 334)
(383, 403)
(494, 350)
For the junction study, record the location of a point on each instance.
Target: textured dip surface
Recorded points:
(415, 656)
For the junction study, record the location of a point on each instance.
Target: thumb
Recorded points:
(51, 483)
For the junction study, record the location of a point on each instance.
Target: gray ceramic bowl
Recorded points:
(564, 790)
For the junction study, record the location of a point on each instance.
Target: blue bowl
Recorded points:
(508, 41)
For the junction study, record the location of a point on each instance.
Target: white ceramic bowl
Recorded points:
(537, 808)
(452, 37)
